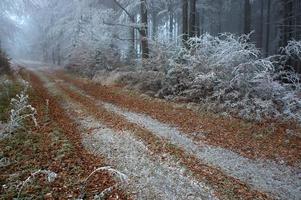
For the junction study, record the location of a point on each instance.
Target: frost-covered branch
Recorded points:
(122, 178)
(51, 176)
(20, 111)
(293, 49)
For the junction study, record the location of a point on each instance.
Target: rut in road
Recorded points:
(150, 176)
(280, 180)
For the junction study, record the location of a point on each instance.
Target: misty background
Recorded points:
(58, 31)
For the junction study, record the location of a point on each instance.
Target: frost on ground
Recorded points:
(280, 180)
(149, 176)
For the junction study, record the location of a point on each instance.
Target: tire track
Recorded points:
(233, 188)
(150, 176)
(280, 180)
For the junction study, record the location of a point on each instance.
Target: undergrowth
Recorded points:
(224, 74)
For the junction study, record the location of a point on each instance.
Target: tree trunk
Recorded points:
(171, 25)
(260, 31)
(192, 19)
(267, 44)
(132, 50)
(59, 54)
(202, 21)
(198, 24)
(287, 22)
(220, 20)
(53, 56)
(144, 30)
(247, 20)
(185, 21)
(154, 25)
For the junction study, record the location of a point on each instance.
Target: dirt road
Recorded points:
(166, 152)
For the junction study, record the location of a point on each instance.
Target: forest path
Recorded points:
(145, 147)
(151, 176)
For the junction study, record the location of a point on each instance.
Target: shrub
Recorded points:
(227, 74)
(51, 176)
(224, 73)
(221, 54)
(20, 111)
(293, 49)
(122, 179)
(86, 62)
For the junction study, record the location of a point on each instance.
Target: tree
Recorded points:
(247, 18)
(144, 30)
(171, 18)
(154, 20)
(261, 24)
(185, 21)
(267, 44)
(192, 19)
(9, 27)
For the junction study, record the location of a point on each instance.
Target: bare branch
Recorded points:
(127, 13)
(124, 25)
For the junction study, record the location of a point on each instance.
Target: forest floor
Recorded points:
(166, 150)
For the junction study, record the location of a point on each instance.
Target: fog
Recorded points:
(56, 30)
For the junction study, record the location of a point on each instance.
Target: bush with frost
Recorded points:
(221, 53)
(227, 73)
(176, 81)
(51, 176)
(209, 57)
(21, 110)
(211, 63)
(163, 55)
(293, 49)
(122, 179)
(87, 62)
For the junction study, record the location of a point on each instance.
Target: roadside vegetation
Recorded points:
(223, 74)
